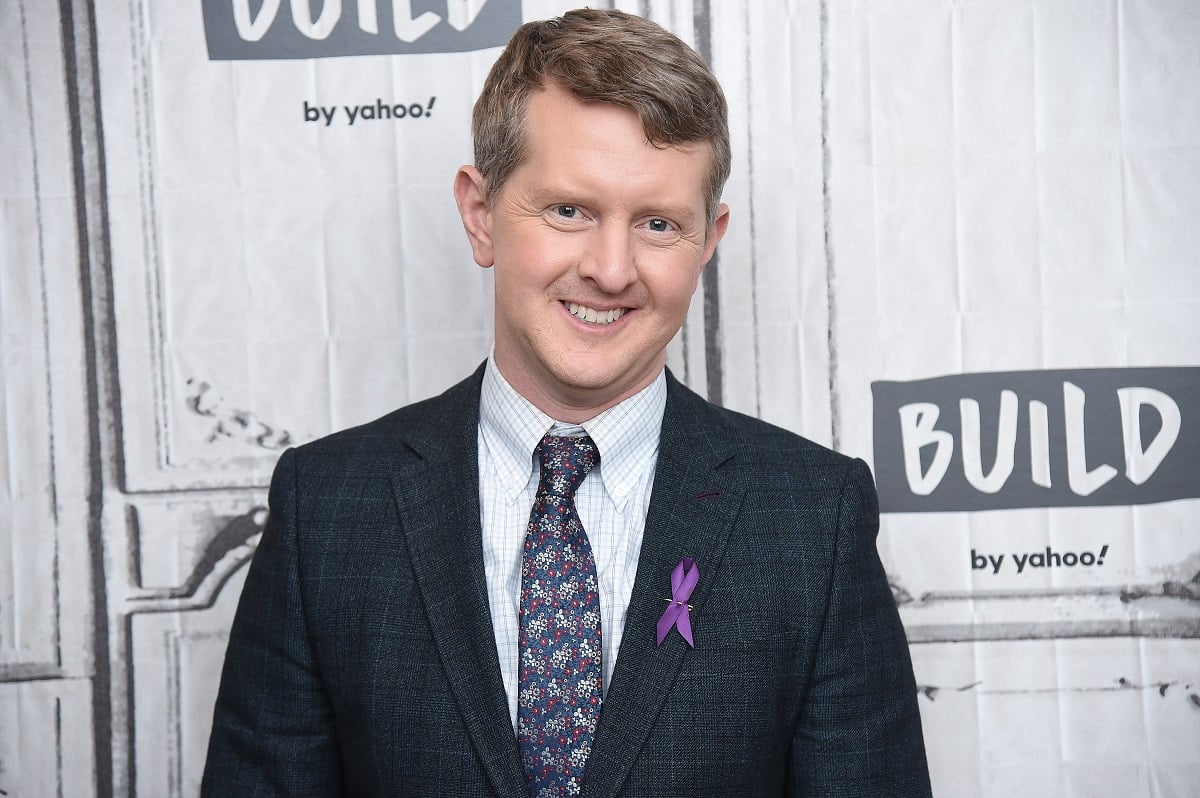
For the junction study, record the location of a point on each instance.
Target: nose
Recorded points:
(608, 258)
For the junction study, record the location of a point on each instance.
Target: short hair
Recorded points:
(602, 56)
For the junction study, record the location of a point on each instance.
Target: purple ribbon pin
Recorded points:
(683, 581)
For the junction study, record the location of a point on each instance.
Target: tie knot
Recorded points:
(565, 462)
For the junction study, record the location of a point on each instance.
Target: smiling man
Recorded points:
(570, 575)
(597, 238)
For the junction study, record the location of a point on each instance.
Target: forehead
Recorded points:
(565, 135)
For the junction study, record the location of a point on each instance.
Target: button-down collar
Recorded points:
(625, 434)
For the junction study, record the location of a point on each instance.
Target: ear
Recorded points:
(471, 197)
(715, 233)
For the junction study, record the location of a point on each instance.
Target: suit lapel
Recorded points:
(692, 508)
(437, 496)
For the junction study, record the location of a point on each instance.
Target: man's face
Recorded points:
(598, 240)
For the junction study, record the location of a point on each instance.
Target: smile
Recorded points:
(593, 316)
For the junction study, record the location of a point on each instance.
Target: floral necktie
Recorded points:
(559, 675)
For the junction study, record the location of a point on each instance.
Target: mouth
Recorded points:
(593, 316)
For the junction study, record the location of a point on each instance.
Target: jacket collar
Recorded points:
(437, 498)
(692, 508)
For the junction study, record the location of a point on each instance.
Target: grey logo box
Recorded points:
(1067, 438)
(246, 30)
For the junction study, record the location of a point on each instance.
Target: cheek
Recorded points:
(674, 286)
(530, 267)
(517, 275)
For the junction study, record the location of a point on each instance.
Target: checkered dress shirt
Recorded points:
(612, 503)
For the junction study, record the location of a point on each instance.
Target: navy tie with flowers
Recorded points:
(559, 676)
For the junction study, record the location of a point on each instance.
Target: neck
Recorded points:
(571, 407)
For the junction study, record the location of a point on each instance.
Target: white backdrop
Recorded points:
(964, 247)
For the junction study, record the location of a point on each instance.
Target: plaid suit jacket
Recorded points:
(361, 661)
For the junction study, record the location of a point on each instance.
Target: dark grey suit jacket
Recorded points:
(362, 660)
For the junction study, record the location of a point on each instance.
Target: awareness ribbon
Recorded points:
(683, 581)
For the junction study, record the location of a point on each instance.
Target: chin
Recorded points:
(593, 380)
(586, 382)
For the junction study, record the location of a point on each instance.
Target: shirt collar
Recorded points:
(626, 434)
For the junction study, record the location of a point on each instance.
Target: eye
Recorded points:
(566, 211)
(658, 226)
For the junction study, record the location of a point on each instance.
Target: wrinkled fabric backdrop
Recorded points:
(964, 247)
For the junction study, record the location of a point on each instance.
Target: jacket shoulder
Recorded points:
(753, 440)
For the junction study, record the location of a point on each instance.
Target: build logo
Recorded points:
(242, 30)
(1086, 437)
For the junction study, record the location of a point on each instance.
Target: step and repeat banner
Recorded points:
(964, 247)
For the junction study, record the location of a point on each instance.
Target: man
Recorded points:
(569, 574)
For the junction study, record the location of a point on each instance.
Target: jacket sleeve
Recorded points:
(273, 732)
(859, 730)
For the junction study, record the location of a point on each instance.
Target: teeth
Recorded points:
(594, 316)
